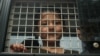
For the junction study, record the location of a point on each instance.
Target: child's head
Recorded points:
(49, 24)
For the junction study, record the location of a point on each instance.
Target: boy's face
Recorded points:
(50, 27)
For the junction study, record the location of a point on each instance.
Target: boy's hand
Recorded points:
(18, 48)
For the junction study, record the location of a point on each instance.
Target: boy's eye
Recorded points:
(43, 23)
(57, 22)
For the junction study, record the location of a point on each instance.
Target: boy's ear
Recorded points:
(65, 29)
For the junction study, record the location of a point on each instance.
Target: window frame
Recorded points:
(4, 15)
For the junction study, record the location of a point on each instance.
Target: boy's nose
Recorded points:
(51, 27)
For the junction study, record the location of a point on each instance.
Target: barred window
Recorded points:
(33, 22)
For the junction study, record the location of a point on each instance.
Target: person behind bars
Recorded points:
(49, 27)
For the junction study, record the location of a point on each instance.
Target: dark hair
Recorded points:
(37, 17)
